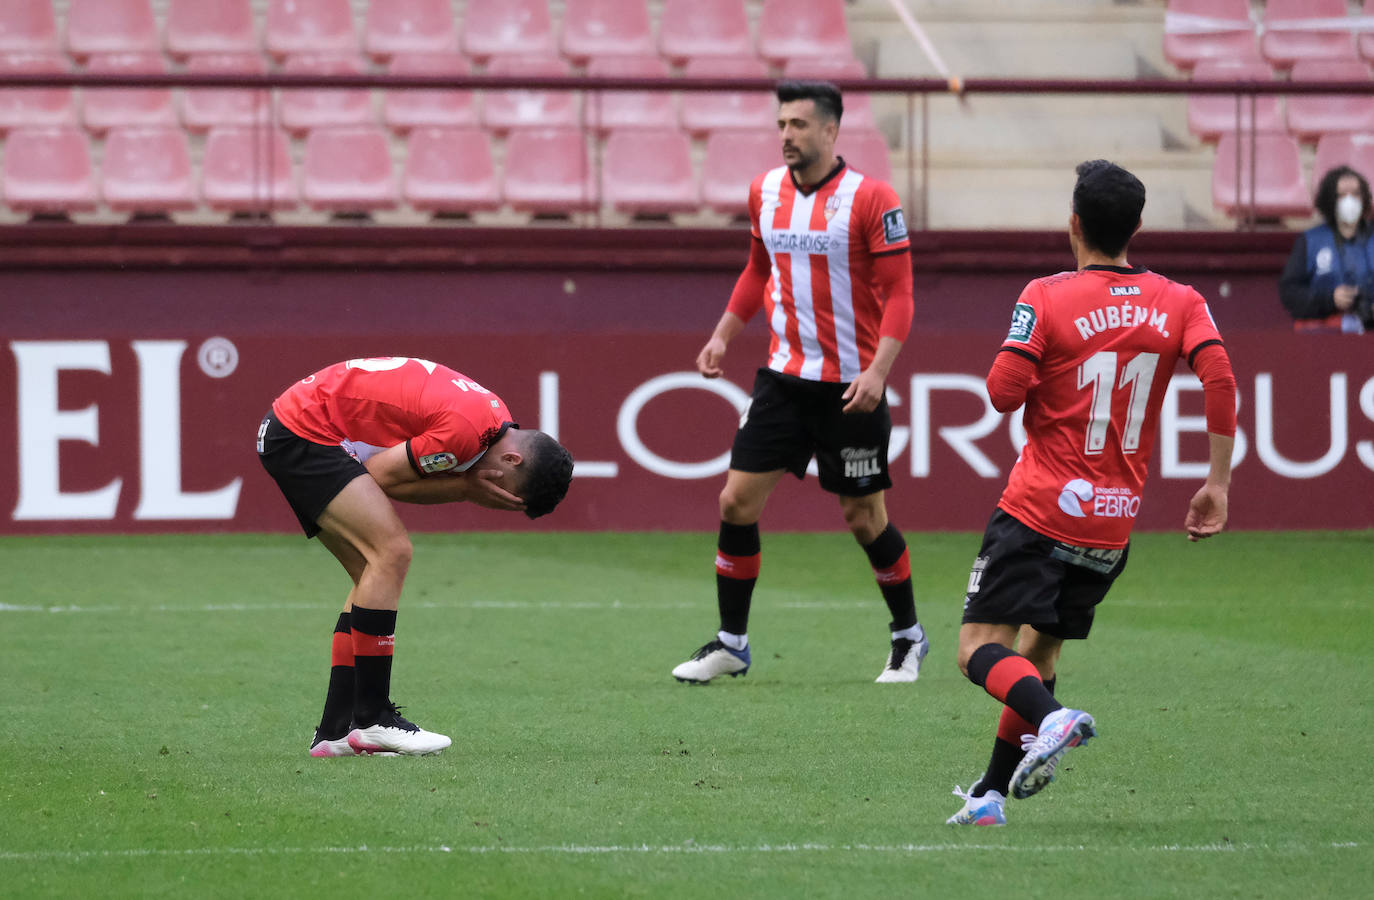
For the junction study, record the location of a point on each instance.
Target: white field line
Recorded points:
(658, 850)
(420, 604)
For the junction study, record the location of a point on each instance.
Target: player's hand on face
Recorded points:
(484, 490)
(1206, 513)
(863, 393)
(708, 360)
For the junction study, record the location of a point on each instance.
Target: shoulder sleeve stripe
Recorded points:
(410, 455)
(1192, 354)
(1020, 352)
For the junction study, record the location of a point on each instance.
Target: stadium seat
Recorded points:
(27, 26)
(450, 170)
(34, 107)
(692, 28)
(1353, 150)
(309, 26)
(792, 28)
(1212, 115)
(1279, 186)
(548, 172)
(504, 110)
(733, 160)
(111, 26)
(649, 172)
(147, 170)
(210, 26)
(858, 108)
(1312, 115)
(48, 170)
(1306, 29)
(1365, 38)
(1198, 30)
(707, 111)
(302, 109)
(247, 170)
(507, 27)
(396, 27)
(866, 151)
(593, 28)
(106, 108)
(403, 110)
(611, 110)
(348, 170)
(205, 108)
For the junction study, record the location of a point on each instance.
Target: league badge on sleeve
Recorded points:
(1022, 324)
(894, 226)
(437, 462)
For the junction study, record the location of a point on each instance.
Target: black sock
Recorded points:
(891, 564)
(338, 701)
(374, 638)
(737, 570)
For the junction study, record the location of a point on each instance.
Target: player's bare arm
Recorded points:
(865, 392)
(392, 471)
(1207, 510)
(709, 359)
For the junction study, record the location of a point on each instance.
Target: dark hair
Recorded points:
(548, 470)
(1108, 201)
(1325, 199)
(825, 95)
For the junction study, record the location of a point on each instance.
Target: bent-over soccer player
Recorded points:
(1090, 354)
(342, 444)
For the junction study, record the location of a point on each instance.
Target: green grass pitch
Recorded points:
(159, 694)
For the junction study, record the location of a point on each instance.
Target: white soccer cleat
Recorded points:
(1060, 732)
(712, 659)
(395, 735)
(323, 747)
(989, 809)
(904, 660)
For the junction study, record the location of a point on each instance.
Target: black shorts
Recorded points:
(1022, 577)
(310, 475)
(790, 419)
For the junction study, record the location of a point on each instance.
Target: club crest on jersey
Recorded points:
(1022, 324)
(437, 462)
(832, 206)
(1325, 258)
(894, 226)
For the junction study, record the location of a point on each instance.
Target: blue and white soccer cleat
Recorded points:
(1061, 731)
(989, 809)
(904, 660)
(714, 658)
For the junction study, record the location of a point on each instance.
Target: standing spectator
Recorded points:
(830, 266)
(1329, 277)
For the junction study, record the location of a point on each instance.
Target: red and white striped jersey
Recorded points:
(823, 306)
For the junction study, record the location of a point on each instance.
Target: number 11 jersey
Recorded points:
(1104, 341)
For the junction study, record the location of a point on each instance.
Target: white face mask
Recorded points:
(1348, 209)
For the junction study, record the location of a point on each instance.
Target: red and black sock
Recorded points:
(891, 563)
(737, 569)
(1006, 750)
(1012, 679)
(374, 638)
(338, 701)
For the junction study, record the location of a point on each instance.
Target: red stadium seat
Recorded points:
(147, 170)
(507, 27)
(593, 28)
(858, 108)
(310, 26)
(34, 107)
(704, 112)
(866, 152)
(1306, 29)
(348, 170)
(610, 110)
(548, 172)
(450, 170)
(504, 110)
(27, 26)
(302, 109)
(396, 27)
(792, 28)
(1280, 189)
(106, 108)
(406, 109)
(733, 160)
(210, 26)
(1212, 115)
(48, 170)
(1353, 150)
(1365, 39)
(111, 26)
(247, 170)
(1199, 30)
(692, 28)
(1312, 115)
(204, 108)
(649, 172)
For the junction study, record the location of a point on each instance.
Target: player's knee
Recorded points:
(864, 522)
(737, 508)
(394, 554)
